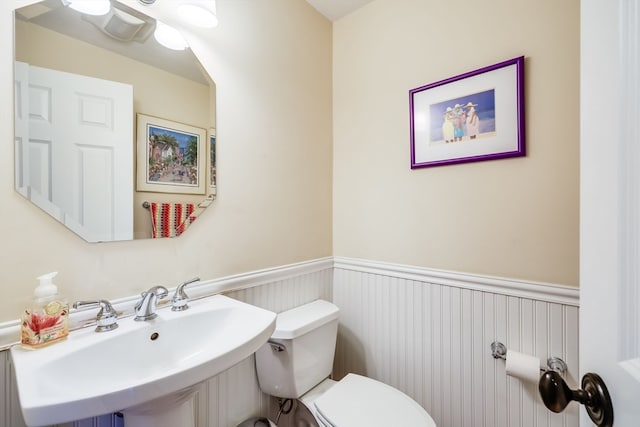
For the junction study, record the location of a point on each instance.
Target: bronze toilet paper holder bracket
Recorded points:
(556, 394)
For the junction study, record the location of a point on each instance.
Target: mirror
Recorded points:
(94, 97)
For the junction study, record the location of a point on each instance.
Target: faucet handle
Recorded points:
(158, 290)
(107, 317)
(180, 298)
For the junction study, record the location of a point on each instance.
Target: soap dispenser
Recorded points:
(47, 320)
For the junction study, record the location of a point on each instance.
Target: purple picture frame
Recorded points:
(471, 117)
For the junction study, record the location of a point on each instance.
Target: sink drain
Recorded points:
(154, 336)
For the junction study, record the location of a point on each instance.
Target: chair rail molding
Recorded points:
(546, 292)
(9, 331)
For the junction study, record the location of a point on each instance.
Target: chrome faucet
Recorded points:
(107, 318)
(180, 298)
(145, 309)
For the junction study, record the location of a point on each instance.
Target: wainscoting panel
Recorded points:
(233, 395)
(430, 335)
(285, 294)
(10, 413)
(427, 333)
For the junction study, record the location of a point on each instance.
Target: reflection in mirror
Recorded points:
(80, 82)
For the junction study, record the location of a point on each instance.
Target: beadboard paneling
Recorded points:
(10, 414)
(432, 341)
(285, 294)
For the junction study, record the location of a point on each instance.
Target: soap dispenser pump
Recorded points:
(47, 320)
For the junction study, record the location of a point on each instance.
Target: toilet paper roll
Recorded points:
(523, 366)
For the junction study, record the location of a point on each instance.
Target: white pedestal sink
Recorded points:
(130, 368)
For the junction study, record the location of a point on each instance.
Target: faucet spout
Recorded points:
(145, 309)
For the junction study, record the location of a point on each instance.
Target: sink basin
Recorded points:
(92, 373)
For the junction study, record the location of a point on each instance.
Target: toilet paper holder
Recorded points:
(556, 394)
(499, 351)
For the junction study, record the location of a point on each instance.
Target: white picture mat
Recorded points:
(504, 82)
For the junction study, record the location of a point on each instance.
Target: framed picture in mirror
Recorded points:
(171, 156)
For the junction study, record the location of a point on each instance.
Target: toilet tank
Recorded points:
(299, 354)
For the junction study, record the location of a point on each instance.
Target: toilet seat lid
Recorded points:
(360, 401)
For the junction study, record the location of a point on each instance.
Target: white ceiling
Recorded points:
(336, 9)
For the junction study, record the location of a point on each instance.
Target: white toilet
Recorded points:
(296, 364)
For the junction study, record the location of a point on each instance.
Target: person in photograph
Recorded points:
(458, 122)
(447, 126)
(472, 120)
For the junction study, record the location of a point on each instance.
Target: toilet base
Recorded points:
(303, 415)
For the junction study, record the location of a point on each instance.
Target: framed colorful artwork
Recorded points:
(171, 156)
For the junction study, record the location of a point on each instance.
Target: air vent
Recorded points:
(123, 25)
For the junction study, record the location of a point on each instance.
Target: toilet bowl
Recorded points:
(296, 364)
(360, 401)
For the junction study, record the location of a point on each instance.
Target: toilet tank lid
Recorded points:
(300, 320)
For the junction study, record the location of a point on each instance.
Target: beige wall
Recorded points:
(516, 218)
(274, 172)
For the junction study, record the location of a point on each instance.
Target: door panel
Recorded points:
(609, 159)
(88, 175)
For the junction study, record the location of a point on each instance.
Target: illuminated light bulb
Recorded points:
(169, 37)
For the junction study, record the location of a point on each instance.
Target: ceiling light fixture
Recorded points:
(200, 13)
(198, 16)
(169, 37)
(91, 7)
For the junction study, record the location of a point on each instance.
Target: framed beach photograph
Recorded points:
(475, 116)
(171, 157)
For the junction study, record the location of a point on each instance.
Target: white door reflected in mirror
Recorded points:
(90, 141)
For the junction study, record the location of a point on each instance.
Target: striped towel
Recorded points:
(171, 219)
